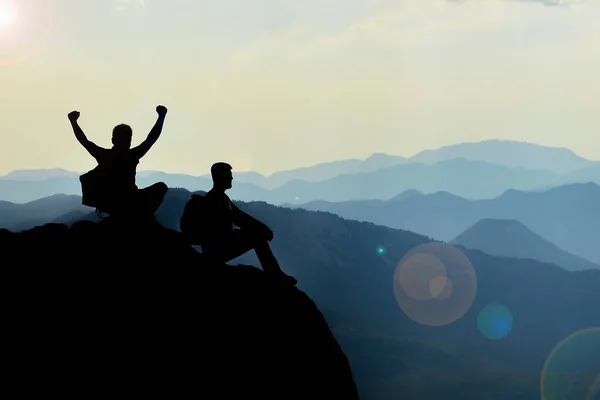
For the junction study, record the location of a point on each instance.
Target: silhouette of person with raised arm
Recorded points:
(112, 184)
(224, 243)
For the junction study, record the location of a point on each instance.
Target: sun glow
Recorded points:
(8, 14)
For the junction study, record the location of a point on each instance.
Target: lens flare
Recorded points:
(495, 321)
(8, 14)
(435, 284)
(440, 287)
(24, 27)
(572, 367)
(594, 393)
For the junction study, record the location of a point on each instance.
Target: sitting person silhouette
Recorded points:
(111, 187)
(220, 241)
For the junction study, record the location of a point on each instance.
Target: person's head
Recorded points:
(121, 136)
(221, 175)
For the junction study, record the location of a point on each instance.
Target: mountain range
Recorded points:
(562, 221)
(460, 170)
(338, 263)
(568, 216)
(18, 217)
(510, 238)
(506, 153)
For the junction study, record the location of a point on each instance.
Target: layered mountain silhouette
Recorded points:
(39, 174)
(567, 216)
(461, 177)
(510, 154)
(471, 170)
(101, 308)
(511, 238)
(337, 264)
(17, 217)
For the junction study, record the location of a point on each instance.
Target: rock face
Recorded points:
(128, 309)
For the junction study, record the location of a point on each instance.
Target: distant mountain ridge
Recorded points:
(512, 154)
(568, 216)
(39, 174)
(25, 216)
(460, 177)
(511, 238)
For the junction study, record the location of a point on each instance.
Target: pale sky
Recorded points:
(276, 84)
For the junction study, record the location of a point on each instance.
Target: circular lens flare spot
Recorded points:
(440, 288)
(417, 272)
(495, 321)
(435, 284)
(572, 367)
(594, 393)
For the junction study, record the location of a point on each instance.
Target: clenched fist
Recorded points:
(73, 116)
(161, 110)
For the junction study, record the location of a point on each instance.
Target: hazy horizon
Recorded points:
(207, 172)
(295, 84)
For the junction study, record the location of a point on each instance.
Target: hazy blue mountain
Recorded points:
(511, 238)
(328, 170)
(24, 216)
(319, 172)
(25, 191)
(471, 170)
(499, 152)
(589, 174)
(510, 154)
(568, 216)
(247, 177)
(39, 174)
(469, 179)
(407, 194)
(314, 173)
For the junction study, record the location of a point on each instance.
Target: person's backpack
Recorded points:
(97, 190)
(94, 188)
(191, 221)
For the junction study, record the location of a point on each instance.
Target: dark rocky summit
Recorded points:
(128, 309)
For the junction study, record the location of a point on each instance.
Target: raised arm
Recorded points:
(90, 146)
(154, 134)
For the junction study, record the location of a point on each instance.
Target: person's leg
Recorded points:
(239, 242)
(265, 255)
(151, 197)
(230, 246)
